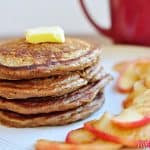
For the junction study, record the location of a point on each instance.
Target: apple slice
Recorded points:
(49, 145)
(147, 80)
(142, 103)
(82, 136)
(120, 67)
(142, 68)
(138, 88)
(127, 79)
(140, 62)
(130, 118)
(131, 71)
(106, 130)
(128, 101)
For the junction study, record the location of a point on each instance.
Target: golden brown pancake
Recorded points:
(22, 60)
(51, 119)
(94, 73)
(73, 100)
(53, 86)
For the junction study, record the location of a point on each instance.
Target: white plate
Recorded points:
(22, 139)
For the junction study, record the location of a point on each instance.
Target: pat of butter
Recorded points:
(45, 34)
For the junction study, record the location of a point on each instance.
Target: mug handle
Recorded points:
(107, 32)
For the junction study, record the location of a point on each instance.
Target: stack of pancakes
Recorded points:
(49, 83)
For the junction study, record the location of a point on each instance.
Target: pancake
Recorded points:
(94, 73)
(52, 119)
(22, 60)
(73, 100)
(53, 86)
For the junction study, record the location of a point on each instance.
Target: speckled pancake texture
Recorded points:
(22, 60)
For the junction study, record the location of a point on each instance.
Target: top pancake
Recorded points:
(22, 60)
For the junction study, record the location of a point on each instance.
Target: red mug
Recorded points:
(130, 21)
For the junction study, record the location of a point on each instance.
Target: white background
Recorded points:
(18, 15)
